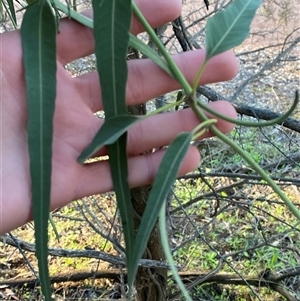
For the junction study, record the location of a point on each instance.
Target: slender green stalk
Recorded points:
(74, 14)
(172, 65)
(164, 108)
(248, 159)
(259, 170)
(169, 257)
(198, 76)
(203, 127)
(277, 120)
(53, 226)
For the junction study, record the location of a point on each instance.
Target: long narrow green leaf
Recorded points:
(163, 182)
(38, 32)
(10, 10)
(109, 133)
(118, 164)
(229, 27)
(114, 128)
(112, 20)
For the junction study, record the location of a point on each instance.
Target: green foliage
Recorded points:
(113, 18)
(108, 134)
(229, 27)
(163, 182)
(39, 47)
(111, 31)
(169, 257)
(226, 29)
(8, 7)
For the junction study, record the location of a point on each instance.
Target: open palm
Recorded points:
(74, 122)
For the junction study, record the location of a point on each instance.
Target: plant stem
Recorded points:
(134, 42)
(89, 23)
(164, 108)
(198, 76)
(174, 68)
(169, 257)
(248, 159)
(74, 14)
(277, 120)
(201, 128)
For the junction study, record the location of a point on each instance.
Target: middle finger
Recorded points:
(146, 80)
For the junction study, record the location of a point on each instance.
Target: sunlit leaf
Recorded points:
(229, 27)
(109, 133)
(38, 32)
(165, 178)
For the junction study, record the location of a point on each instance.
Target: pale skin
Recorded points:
(74, 122)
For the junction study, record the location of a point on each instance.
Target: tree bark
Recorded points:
(150, 282)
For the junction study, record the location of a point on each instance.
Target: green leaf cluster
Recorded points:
(111, 25)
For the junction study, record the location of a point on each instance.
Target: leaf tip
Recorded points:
(82, 157)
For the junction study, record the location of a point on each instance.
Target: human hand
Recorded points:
(74, 122)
